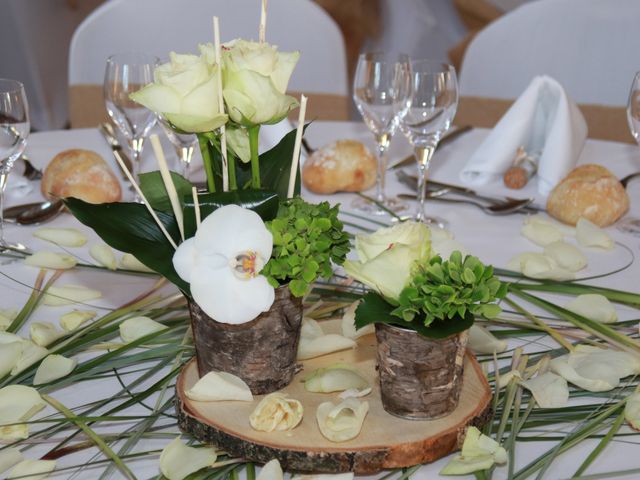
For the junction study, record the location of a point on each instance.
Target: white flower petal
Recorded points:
(9, 457)
(18, 403)
(103, 254)
(6, 317)
(136, 327)
(184, 259)
(67, 237)
(54, 367)
(349, 326)
(460, 465)
(218, 386)
(31, 353)
(178, 461)
(32, 469)
(271, 471)
(68, 295)
(541, 218)
(227, 298)
(44, 333)
(590, 235)
(342, 422)
(334, 378)
(541, 234)
(52, 260)
(315, 347)
(549, 390)
(506, 378)
(566, 256)
(482, 340)
(72, 320)
(7, 337)
(594, 307)
(479, 452)
(129, 262)
(310, 328)
(632, 410)
(276, 412)
(10, 353)
(539, 265)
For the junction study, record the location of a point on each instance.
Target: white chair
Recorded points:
(586, 45)
(160, 26)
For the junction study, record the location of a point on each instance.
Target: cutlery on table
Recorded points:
(504, 208)
(32, 213)
(448, 138)
(109, 135)
(625, 180)
(30, 172)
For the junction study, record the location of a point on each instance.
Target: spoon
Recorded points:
(506, 208)
(31, 213)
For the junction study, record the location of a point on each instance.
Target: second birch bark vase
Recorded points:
(261, 352)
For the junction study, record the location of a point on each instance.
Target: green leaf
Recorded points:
(130, 228)
(155, 192)
(298, 287)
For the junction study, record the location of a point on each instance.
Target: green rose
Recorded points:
(255, 81)
(185, 92)
(388, 255)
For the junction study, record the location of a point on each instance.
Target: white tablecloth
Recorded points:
(494, 239)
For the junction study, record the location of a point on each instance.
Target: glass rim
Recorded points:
(133, 58)
(13, 85)
(382, 54)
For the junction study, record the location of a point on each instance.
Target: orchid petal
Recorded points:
(54, 367)
(217, 386)
(31, 353)
(136, 327)
(178, 461)
(18, 403)
(44, 333)
(72, 320)
(595, 307)
(184, 259)
(549, 390)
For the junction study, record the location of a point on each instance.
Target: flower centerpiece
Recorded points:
(422, 307)
(245, 251)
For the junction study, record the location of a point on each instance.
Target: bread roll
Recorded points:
(589, 191)
(343, 166)
(81, 174)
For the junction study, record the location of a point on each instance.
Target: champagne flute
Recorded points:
(14, 130)
(425, 116)
(631, 225)
(183, 143)
(127, 73)
(377, 89)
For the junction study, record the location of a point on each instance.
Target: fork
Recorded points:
(505, 208)
(625, 180)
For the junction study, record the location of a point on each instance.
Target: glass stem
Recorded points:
(136, 149)
(423, 154)
(185, 154)
(3, 184)
(383, 146)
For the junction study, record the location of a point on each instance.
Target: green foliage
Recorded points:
(306, 239)
(449, 289)
(155, 192)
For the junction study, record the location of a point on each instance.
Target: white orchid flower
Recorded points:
(222, 263)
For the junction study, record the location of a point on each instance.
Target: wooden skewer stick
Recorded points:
(145, 201)
(262, 31)
(168, 183)
(196, 206)
(223, 132)
(296, 148)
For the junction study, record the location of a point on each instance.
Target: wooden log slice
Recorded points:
(385, 441)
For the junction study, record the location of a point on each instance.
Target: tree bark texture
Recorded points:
(261, 352)
(420, 378)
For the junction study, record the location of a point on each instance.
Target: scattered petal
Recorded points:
(539, 265)
(271, 471)
(67, 237)
(9, 457)
(276, 412)
(595, 307)
(631, 410)
(506, 378)
(103, 254)
(178, 461)
(590, 235)
(482, 340)
(7, 337)
(10, 353)
(217, 386)
(135, 327)
(18, 403)
(44, 333)
(31, 353)
(342, 422)
(349, 326)
(32, 469)
(479, 452)
(54, 367)
(315, 347)
(68, 295)
(354, 393)
(129, 262)
(310, 328)
(6, 317)
(595, 369)
(540, 218)
(334, 378)
(52, 260)
(72, 320)
(541, 233)
(549, 390)
(566, 256)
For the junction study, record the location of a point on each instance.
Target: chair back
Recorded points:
(160, 26)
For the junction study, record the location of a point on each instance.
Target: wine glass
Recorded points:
(127, 73)
(14, 130)
(377, 89)
(631, 225)
(425, 116)
(183, 143)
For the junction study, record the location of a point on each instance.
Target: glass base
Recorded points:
(431, 221)
(14, 247)
(392, 204)
(630, 226)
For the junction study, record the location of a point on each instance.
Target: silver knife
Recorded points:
(110, 136)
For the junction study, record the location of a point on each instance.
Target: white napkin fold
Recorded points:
(543, 119)
(270, 135)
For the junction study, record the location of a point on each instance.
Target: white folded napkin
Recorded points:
(543, 119)
(17, 185)
(270, 135)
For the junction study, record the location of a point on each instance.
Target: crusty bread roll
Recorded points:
(589, 191)
(342, 166)
(81, 174)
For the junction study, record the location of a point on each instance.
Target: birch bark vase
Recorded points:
(261, 352)
(420, 377)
